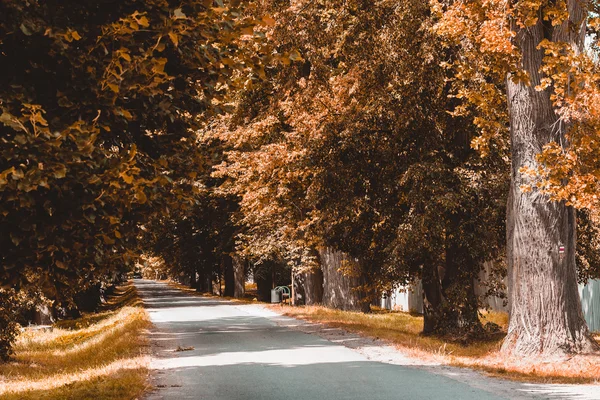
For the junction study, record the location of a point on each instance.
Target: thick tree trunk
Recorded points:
(450, 303)
(193, 278)
(264, 283)
(228, 275)
(432, 299)
(216, 285)
(545, 310)
(204, 283)
(239, 277)
(342, 282)
(313, 287)
(43, 315)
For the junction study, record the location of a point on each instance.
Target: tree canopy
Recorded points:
(213, 135)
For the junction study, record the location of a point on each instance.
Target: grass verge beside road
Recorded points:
(404, 331)
(99, 356)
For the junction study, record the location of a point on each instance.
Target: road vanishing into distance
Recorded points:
(209, 348)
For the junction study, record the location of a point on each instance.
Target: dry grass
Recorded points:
(100, 356)
(404, 331)
(192, 291)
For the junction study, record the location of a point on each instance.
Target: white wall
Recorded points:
(410, 299)
(404, 298)
(590, 303)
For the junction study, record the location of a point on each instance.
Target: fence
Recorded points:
(410, 299)
(590, 303)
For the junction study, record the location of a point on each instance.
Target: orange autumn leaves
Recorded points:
(489, 54)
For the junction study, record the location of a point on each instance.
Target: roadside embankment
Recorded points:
(101, 355)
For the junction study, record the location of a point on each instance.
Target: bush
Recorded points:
(9, 327)
(13, 306)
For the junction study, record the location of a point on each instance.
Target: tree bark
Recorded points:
(545, 310)
(432, 299)
(193, 278)
(450, 303)
(228, 275)
(342, 290)
(313, 287)
(239, 277)
(204, 283)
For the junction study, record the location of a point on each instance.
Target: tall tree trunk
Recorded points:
(313, 287)
(545, 310)
(239, 276)
(203, 285)
(228, 275)
(450, 304)
(264, 284)
(193, 278)
(216, 284)
(450, 301)
(342, 289)
(432, 299)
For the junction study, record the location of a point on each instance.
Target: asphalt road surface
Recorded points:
(234, 351)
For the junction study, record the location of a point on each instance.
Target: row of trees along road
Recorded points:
(99, 107)
(209, 134)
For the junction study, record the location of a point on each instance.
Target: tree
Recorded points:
(351, 147)
(99, 108)
(588, 245)
(537, 47)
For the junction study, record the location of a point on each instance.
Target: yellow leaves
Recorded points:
(61, 265)
(69, 36)
(113, 87)
(132, 153)
(4, 176)
(140, 196)
(158, 66)
(72, 35)
(127, 178)
(174, 38)
(295, 56)
(123, 113)
(34, 112)
(139, 19)
(248, 30)
(545, 83)
(268, 21)
(143, 21)
(60, 172)
(287, 58)
(556, 12)
(107, 239)
(481, 144)
(179, 14)
(123, 53)
(18, 174)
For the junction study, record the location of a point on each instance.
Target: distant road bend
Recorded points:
(237, 351)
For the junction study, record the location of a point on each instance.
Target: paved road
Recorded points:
(240, 352)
